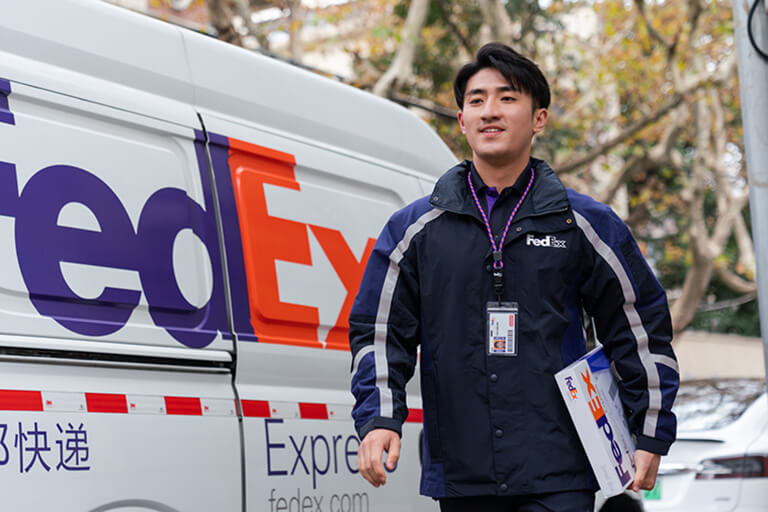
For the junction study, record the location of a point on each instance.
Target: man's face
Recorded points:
(498, 121)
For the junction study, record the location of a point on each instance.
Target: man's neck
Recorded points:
(503, 175)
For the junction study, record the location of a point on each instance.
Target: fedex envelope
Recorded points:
(592, 397)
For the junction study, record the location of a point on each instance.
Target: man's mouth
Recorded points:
(491, 130)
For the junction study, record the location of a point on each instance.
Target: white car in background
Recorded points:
(719, 462)
(720, 459)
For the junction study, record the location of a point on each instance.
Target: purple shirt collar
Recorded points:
(490, 193)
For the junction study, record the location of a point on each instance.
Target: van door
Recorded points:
(115, 354)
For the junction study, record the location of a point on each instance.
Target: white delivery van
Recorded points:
(183, 227)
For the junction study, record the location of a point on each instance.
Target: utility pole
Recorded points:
(751, 33)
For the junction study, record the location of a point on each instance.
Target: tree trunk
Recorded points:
(497, 26)
(295, 46)
(401, 69)
(695, 286)
(243, 9)
(746, 249)
(705, 248)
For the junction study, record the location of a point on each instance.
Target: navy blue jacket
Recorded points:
(498, 425)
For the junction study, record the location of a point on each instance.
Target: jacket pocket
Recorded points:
(429, 399)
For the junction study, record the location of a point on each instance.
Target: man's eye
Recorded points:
(475, 101)
(509, 98)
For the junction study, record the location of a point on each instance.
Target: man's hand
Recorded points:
(646, 467)
(371, 451)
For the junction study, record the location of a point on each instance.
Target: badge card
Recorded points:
(501, 323)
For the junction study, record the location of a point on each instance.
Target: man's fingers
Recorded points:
(364, 462)
(393, 453)
(377, 467)
(643, 482)
(647, 467)
(370, 455)
(636, 482)
(647, 482)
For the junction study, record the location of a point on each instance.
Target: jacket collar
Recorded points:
(547, 195)
(480, 187)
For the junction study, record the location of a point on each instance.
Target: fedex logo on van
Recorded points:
(254, 242)
(596, 408)
(257, 240)
(42, 245)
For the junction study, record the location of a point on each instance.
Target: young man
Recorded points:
(500, 240)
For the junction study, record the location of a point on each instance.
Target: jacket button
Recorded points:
(568, 221)
(488, 268)
(504, 487)
(519, 229)
(494, 377)
(499, 432)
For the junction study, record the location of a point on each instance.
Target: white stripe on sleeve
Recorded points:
(385, 306)
(647, 359)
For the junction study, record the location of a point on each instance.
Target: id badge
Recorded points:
(501, 322)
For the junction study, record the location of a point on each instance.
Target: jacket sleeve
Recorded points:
(384, 331)
(633, 323)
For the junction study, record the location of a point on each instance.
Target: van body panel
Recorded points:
(120, 351)
(113, 227)
(310, 108)
(94, 438)
(150, 76)
(299, 437)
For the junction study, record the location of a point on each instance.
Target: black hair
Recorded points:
(521, 73)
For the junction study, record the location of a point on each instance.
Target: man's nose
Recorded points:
(490, 110)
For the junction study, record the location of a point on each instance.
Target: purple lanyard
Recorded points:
(498, 263)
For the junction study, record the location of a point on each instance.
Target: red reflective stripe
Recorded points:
(313, 411)
(415, 416)
(183, 405)
(255, 408)
(106, 402)
(18, 400)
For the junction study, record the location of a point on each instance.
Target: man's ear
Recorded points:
(539, 119)
(460, 117)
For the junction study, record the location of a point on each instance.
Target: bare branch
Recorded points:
(725, 221)
(497, 26)
(695, 286)
(401, 68)
(668, 45)
(294, 30)
(733, 281)
(434, 108)
(623, 136)
(729, 303)
(744, 242)
(631, 167)
(455, 28)
(220, 13)
(694, 13)
(716, 78)
(243, 9)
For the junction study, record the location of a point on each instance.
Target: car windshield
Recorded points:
(710, 404)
